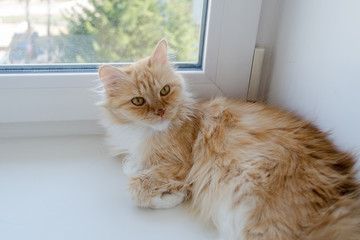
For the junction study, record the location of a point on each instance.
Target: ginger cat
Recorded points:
(253, 171)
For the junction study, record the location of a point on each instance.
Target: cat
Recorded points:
(253, 171)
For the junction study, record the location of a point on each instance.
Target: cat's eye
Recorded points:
(165, 90)
(138, 101)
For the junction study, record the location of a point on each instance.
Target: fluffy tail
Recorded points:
(341, 222)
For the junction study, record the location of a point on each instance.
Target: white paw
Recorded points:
(167, 200)
(131, 167)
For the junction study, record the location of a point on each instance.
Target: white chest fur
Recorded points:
(128, 139)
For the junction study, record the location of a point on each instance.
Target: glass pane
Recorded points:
(98, 31)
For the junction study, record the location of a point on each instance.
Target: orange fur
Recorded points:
(254, 171)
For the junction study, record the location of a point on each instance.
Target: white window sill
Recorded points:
(68, 188)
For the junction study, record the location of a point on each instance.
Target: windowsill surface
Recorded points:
(68, 188)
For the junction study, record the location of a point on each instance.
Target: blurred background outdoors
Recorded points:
(97, 31)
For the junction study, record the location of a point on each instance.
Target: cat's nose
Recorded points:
(160, 112)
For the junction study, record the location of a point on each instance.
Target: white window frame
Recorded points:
(39, 99)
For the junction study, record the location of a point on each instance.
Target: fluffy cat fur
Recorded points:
(253, 171)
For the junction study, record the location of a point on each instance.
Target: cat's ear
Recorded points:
(159, 56)
(110, 76)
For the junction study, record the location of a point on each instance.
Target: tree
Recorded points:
(126, 30)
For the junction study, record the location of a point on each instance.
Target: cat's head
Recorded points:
(148, 93)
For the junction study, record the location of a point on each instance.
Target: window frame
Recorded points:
(230, 38)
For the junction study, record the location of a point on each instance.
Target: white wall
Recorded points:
(315, 65)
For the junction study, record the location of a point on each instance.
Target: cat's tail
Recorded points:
(340, 222)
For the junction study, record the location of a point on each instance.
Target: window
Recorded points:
(70, 35)
(58, 96)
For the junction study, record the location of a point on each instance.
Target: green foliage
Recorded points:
(126, 30)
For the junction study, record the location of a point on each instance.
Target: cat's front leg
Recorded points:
(153, 189)
(131, 164)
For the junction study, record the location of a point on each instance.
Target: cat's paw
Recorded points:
(167, 200)
(131, 167)
(147, 191)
